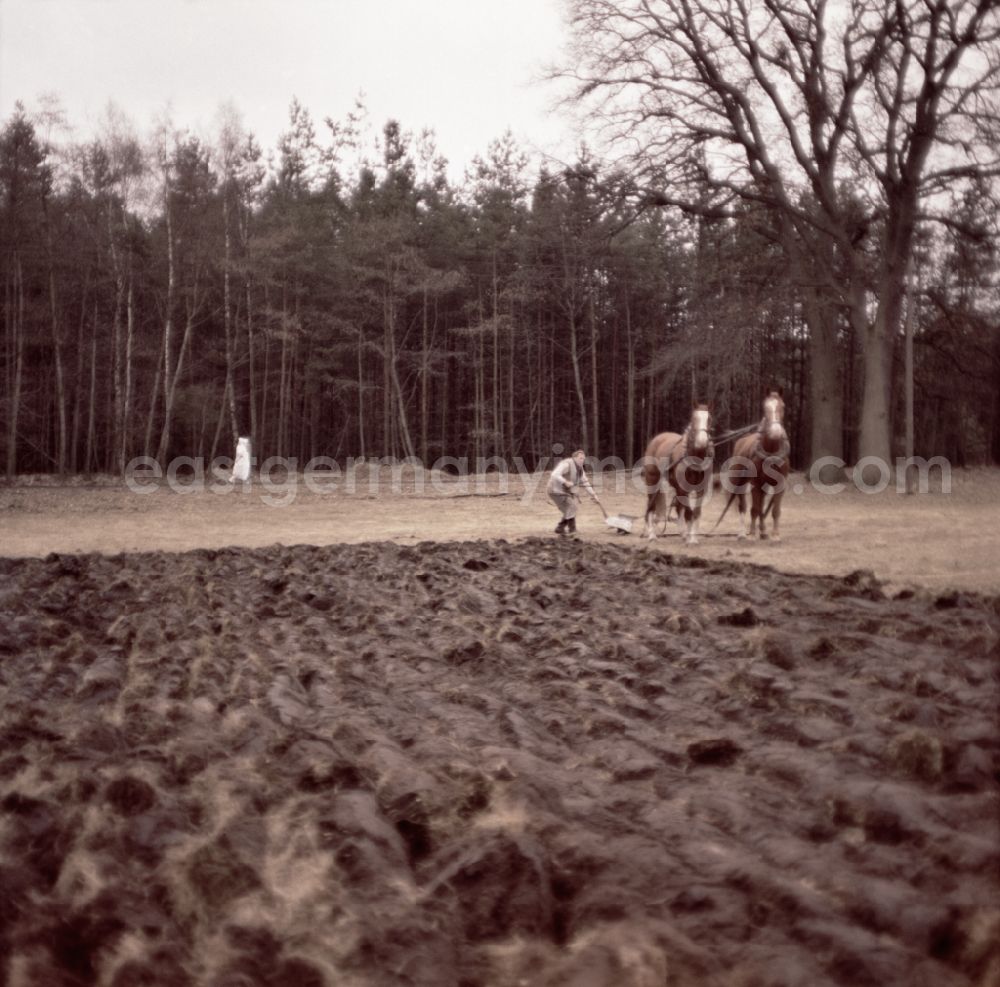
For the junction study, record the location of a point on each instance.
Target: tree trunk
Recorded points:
(511, 440)
(361, 396)
(78, 386)
(630, 395)
(404, 428)
(594, 391)
(875, 436)
(147, 446)
(251, 366)
(126, 429)
(219, 422)
(825, 390)
(15, 335)
(168, 326)
(264, 420)
(812, 267)
(551, 390)
(995, 444)
(574, 351)
(170, 386)
(282, 364)
(477, 400)
(496, 423)
(227, 320)
(876, 407)
(57, 353)
(88, 459)
(444, 396)
(388, 349)
(117, 422)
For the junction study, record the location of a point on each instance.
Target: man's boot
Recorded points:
(561, 527)
(571, 526)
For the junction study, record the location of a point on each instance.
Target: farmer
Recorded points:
(568, 474)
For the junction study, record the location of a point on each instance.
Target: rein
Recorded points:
(735, 434)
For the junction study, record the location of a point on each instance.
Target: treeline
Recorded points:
(163, 296)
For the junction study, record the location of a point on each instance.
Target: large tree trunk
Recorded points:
(876, 410)
(812, 267)
(875, 439)
(874, 336)
(826, 437)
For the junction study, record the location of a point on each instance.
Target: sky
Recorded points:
(469, 69)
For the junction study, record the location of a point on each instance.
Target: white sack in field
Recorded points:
(241, 465)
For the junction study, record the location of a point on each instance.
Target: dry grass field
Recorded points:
(935, 540)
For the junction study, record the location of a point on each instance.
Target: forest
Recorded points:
(165, 292)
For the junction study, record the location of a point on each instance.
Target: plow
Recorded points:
(622, 523)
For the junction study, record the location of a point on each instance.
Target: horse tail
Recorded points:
(732, 497)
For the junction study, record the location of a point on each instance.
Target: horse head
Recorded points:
(774, 407)
(698, 438)
(772, 432)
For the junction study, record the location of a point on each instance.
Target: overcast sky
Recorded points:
(463, 67)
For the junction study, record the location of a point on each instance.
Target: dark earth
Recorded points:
(488, 764)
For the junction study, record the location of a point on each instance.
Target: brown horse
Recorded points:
(686, 461)
(759, 462)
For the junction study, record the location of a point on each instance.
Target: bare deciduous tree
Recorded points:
(843, 118)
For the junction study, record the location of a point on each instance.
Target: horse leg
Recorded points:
(756, 502)
(683, 516)
(775, 515)
(741, 504)
(765, 506)
(655, 500)
(694, 522)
